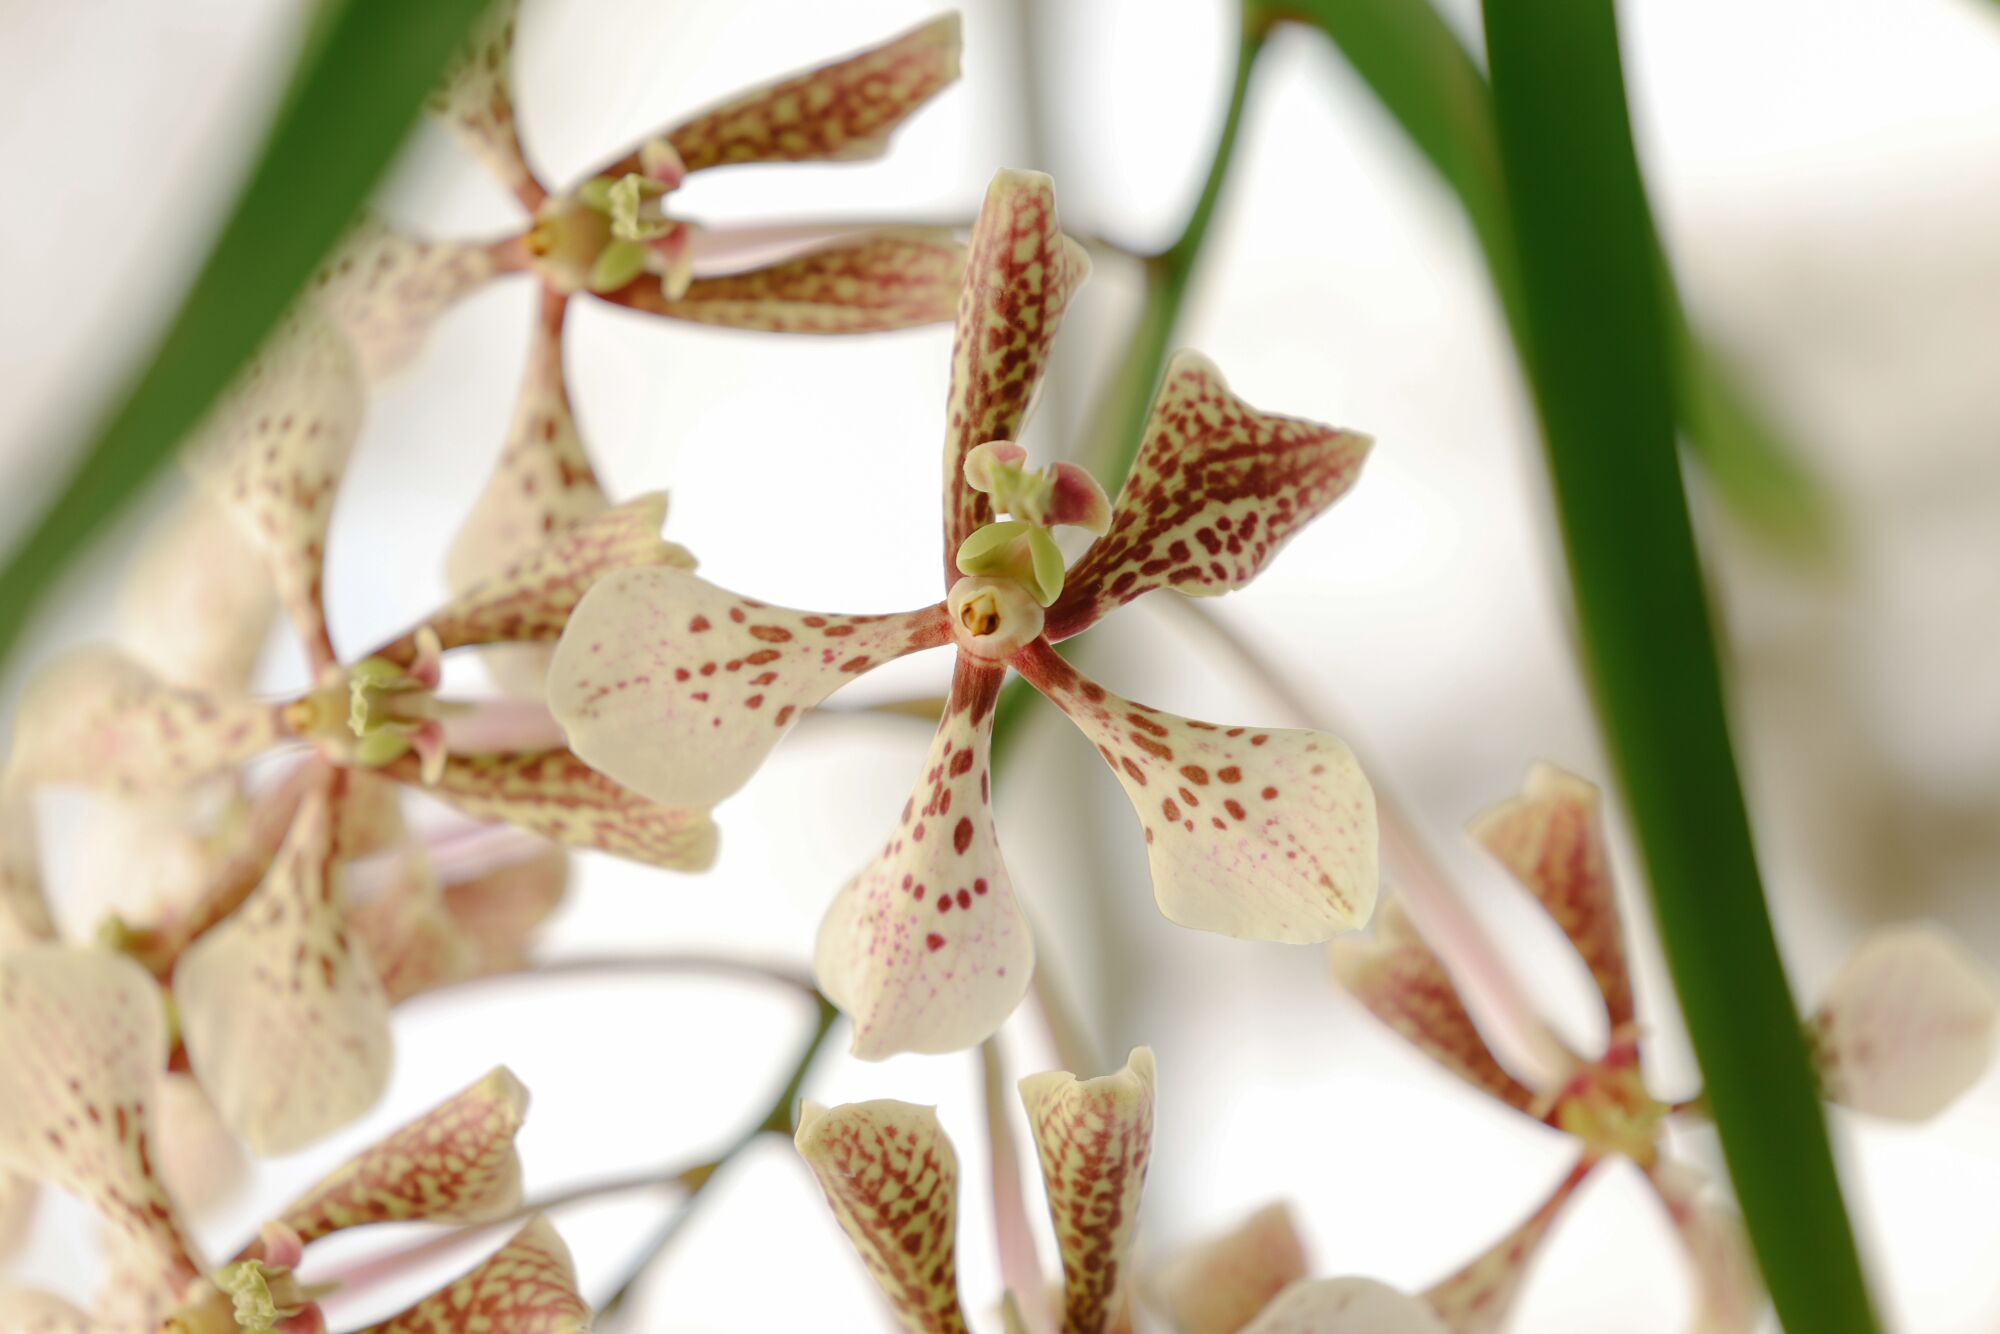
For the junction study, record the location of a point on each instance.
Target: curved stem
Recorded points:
(644, 965)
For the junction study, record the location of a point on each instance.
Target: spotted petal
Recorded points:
(1020, 273)
(97, 717)
(454, 1164)
(1258, 833)
(1729, 1296)
(555, 794)
(1395, 974)
(1096, 1141)
(1219, 1285)
(1216, 489)
(527, 1286)
(891, 1177)
(927, 950)
(842, 111)
(1345, 1306)
(285, 1023)
(271, 455)
(411, 936)
(198, 604)
(82, 1041)
(24, 913)
(1478, 1298)
(1552, 838)
(475, 100)
(385, 290)
(679, 689)
(1907, 1026)
(890, 278)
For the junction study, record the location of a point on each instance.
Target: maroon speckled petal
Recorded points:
(527, 1286)
(1217, 488)
(1478, 1298)
(1020, 274)
(475, 99)
(927, 950)
(385, 290)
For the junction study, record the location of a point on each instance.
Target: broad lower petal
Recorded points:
(1020, 273)
(83, 1038)
(927, 950)
(385, 290)
(555, 794)
(1345, 1306)
(679, 689)
(454, 1164)
(98, 718)
(1552, 838)
(1907, 1026)
(1258, 833)
(1479, 1298)
(1729, 1295)
(891, 278)
(475, 100)
(198, 604)
(527, 1286)
(1395, 974)
(285, 1022)
(1216, 489)
(271, 455)
(1218, 1286)
(891, 1177)
(842, 111)
(1096, 1141)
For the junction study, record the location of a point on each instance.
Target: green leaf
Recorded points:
(1599, 350)
(366, 67)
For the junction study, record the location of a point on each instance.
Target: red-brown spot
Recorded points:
(935, 941)
(1234, 807)
(961, 837)
(770, 634)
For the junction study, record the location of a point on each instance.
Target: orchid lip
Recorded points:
(992, 618)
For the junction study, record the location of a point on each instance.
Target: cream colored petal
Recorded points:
(679, 689)
(411, 937)
(24, 913)
(17, 1210)
(891, 1177)
(1219, 1285)
(528, 1286)
(927, 949)
(198, 604)
(1096, 1142)
(1258, 833)
(385, 290)
(202, 1162)
(1729, 1295)
(475, 101)
(1907, 1026)
(1479, 1298)
(1344, 1306)
(29, 1311)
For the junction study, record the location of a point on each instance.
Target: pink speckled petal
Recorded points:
(1479, 1298)
(927, 950)
(454, 1164)
(1217, 488)
(1218, 1286)
(83, 1038)
(410, 935)
(31, 1311)
(1552, 838)
(555, 794)
(1344, 1306)
(1907, 1026)
(528, 1286)
(285, 1022)
(98, 718)
(475, 100)
(202, 1162)
(679, 689)
(198, 604)
(841, 111)
(272, 452)
(1405, 985)
(1020, 273)
(892, 1178)
(24, 913)
(888, 278)
(1729, 1295)
(1096, 1141)
(385, 290)
(1258, 833)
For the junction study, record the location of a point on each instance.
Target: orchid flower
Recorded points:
(1908, 1026)
(609, 237)
(891, 1177)
(679, 689)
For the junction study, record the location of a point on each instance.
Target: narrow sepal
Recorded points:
(1907, 1026)
(891, 278)
(555, 794)
(198, 604)
(1218, 1286)
(1552, 838)
(1216, 489)
(679, 689)
(385, 290)
(1095, 1138)
(285, 1022)
(927, 950)
(454, 1164)
(1729, 1295)
(1020, 273)
(891, 1177)
(1258, 833)
(475, 99)
(1396, 975)
(527, 1286)
(1344, 1306)
(1479, 1298)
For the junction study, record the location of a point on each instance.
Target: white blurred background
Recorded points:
(1825, 175)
